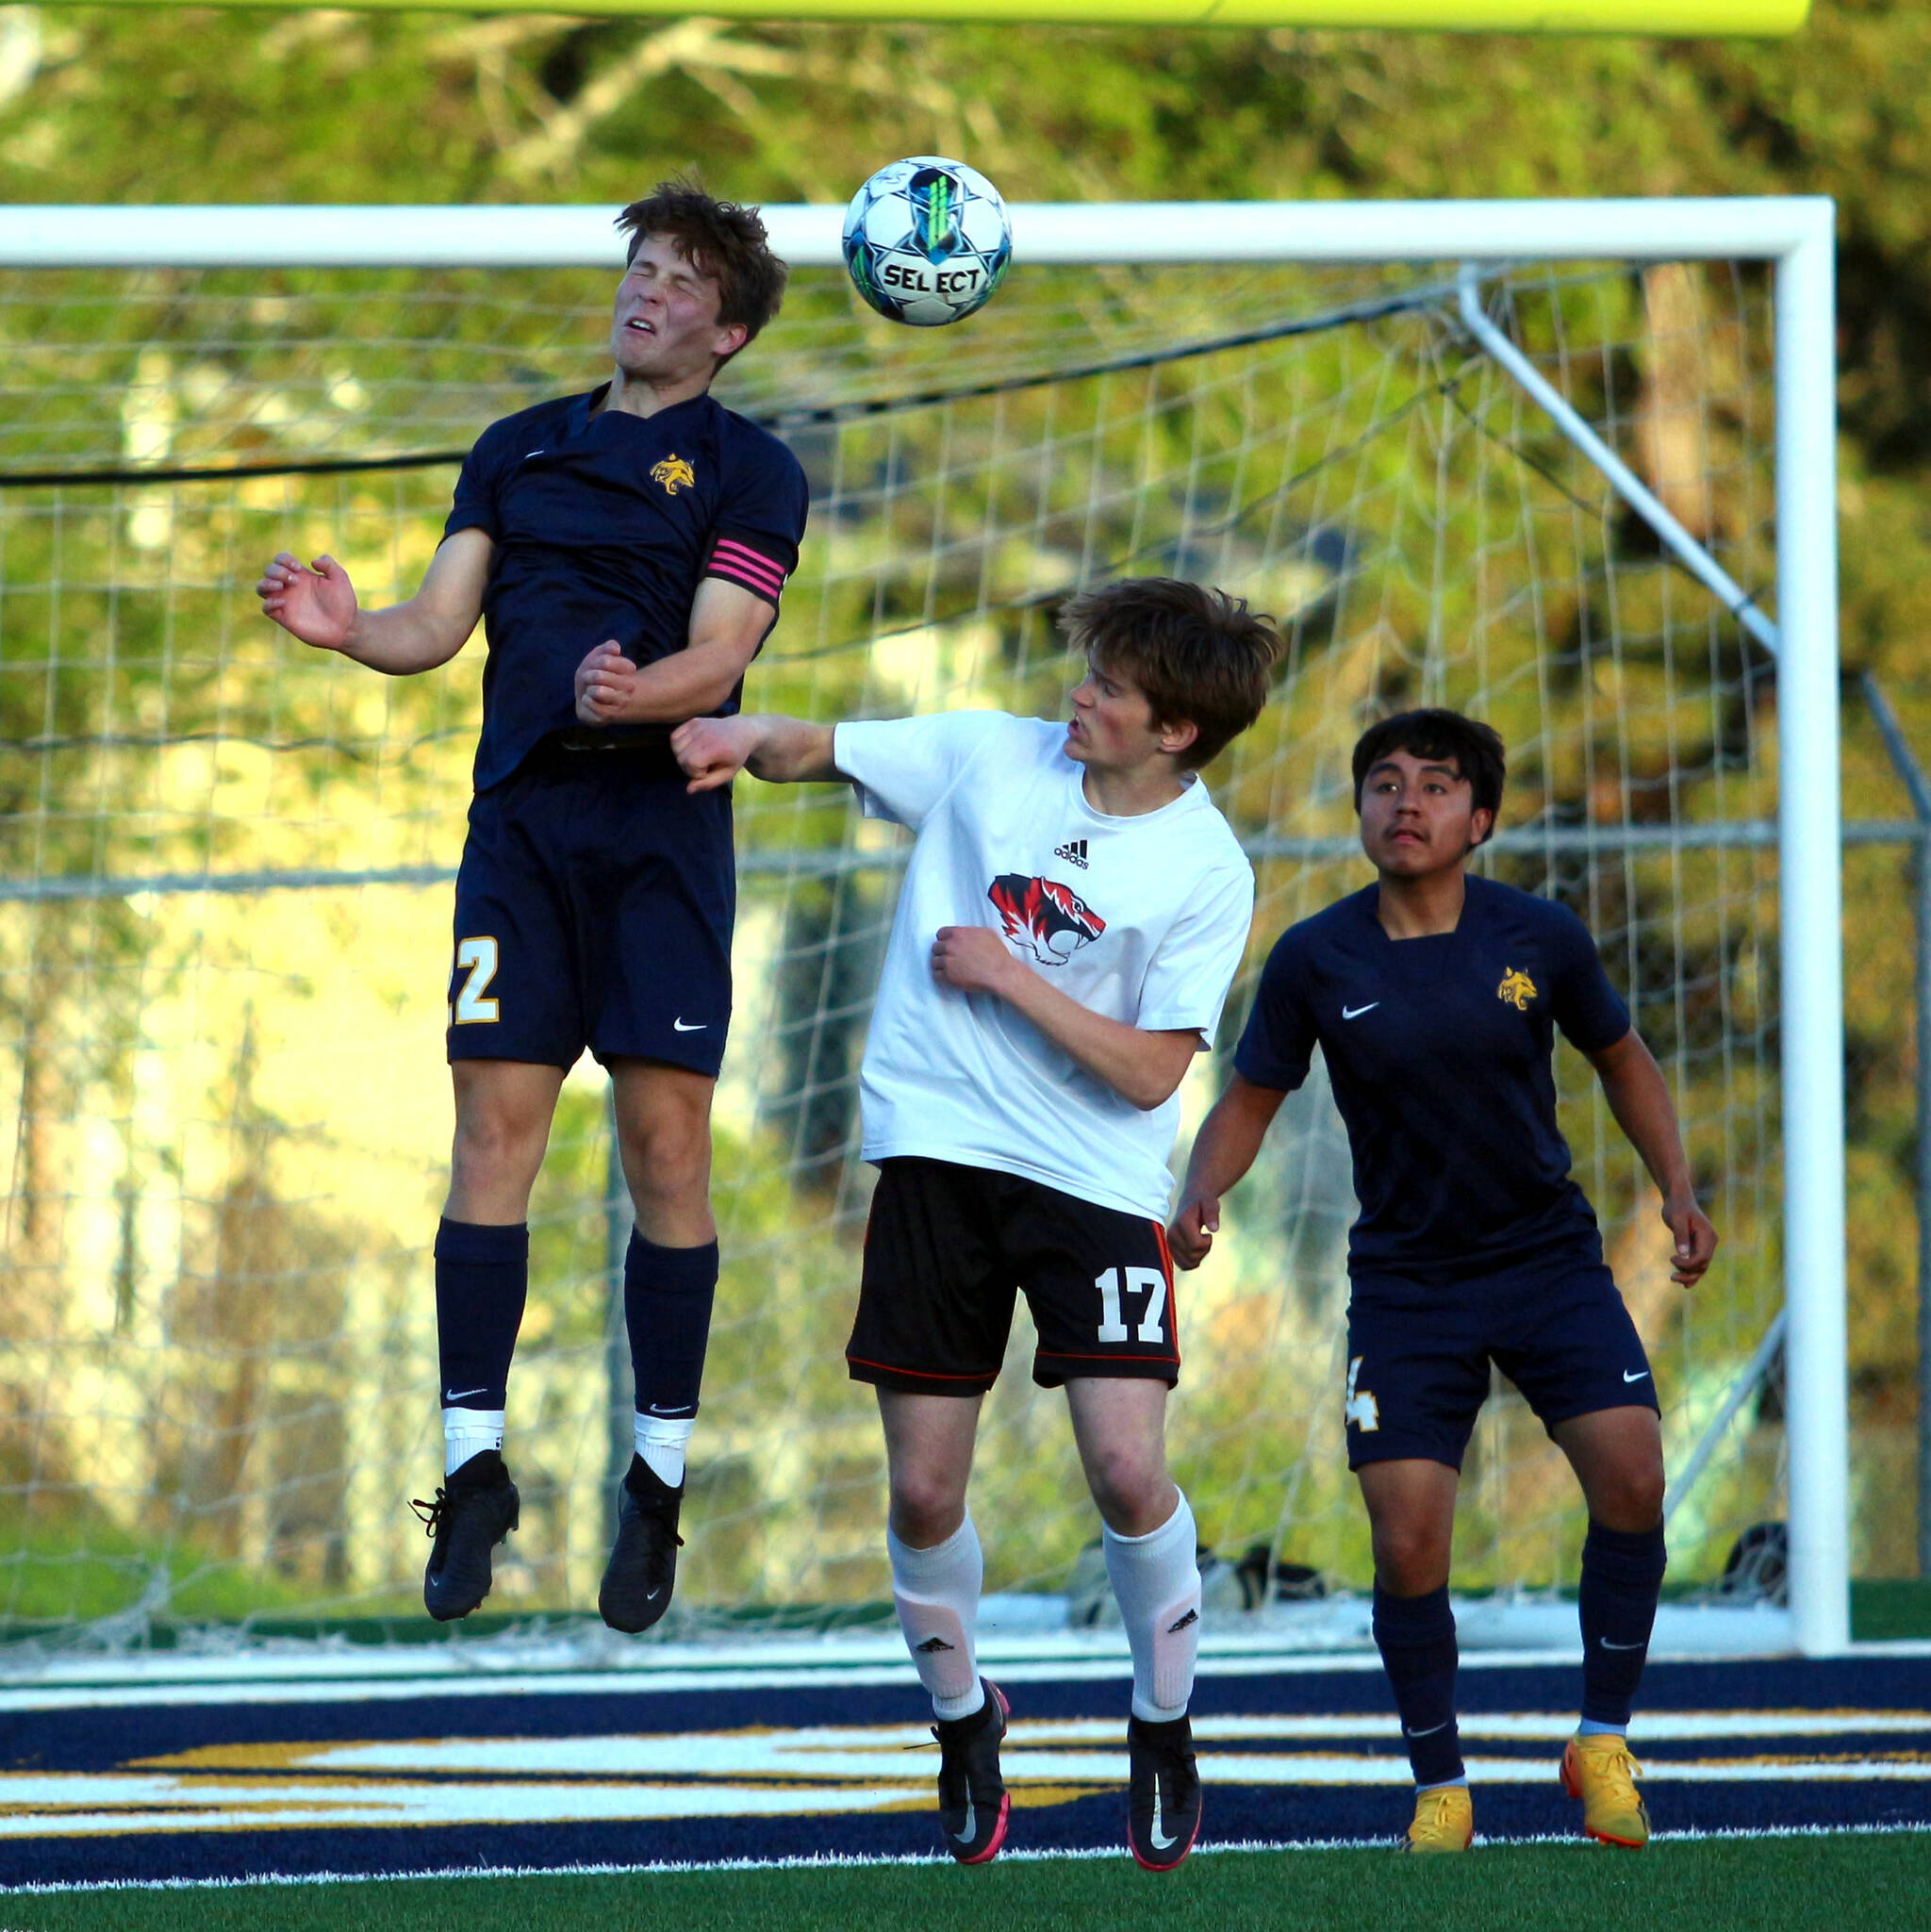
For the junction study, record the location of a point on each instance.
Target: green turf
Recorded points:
(1882, 1610)
(1769, 1884)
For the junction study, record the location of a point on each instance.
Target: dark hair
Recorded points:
(1202, 656)
(718, 239)
(1475, 748)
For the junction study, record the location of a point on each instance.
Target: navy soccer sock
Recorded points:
(482, 1279)
(1415, 1636)
(667, 1292)
(1622, 1575)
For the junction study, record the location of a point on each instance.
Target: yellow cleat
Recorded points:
(1444, 1820)
(1600, 1771)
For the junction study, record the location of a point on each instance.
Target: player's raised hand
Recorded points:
(1695, 1240)
(315, 602)
(713, 751)
(1191, 1236)
(971, 959)
(607, 681)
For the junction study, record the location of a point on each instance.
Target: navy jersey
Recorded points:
(1439, 1050)
(604, 525)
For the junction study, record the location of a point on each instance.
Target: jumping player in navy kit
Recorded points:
(626, 550)
(1435, 997)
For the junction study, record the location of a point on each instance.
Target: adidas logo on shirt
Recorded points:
(1073, 852)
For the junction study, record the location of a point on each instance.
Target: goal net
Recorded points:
(225, 865)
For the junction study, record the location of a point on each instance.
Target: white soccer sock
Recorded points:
(660, 1440)
(1156, 1582)
(936, 1594)
(468, 1432)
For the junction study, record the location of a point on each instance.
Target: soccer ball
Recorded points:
(927, 241)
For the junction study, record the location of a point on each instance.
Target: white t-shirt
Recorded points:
(1143, 920)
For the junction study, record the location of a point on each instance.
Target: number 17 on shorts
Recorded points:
(948, 1248)
(1122, 1291)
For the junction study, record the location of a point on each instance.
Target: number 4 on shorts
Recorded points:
(1147, 1281)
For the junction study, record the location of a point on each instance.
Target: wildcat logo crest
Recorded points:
(1517, 988)
(1044, 918)
(675, 473)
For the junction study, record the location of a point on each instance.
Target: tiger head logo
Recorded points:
(1517, 988)
(1044, 918)
(675, 473)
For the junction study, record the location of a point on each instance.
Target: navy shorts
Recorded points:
(594, 908)
(1418, 1355)
(946, 1251)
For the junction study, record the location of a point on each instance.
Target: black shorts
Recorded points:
(949, 1247)
(594, 909)
(1418, 1355)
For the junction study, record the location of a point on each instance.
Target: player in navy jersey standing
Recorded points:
(1072, 915)
(626, 549)
(1434, 998)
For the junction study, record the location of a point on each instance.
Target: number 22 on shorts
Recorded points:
(470, 1008)
(1147, 1281)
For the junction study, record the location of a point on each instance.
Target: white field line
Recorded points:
(660, 1754)
(351, 1689)
(1036, 1855)
(720, 1775)
(1331, 1635)
(345, 1683)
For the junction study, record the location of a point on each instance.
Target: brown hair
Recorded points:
(720, 238)
(1202, 656)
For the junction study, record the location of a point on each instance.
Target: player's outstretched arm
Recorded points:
(1142, 1067)
(1224, 1150)
(780, 751)
(1639, 1096)
(727, 624)
(317, 604)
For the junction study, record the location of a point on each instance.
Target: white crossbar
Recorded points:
(1044, 234)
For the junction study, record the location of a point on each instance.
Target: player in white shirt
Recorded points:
(1072, 915)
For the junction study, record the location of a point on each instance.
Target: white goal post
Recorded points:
(1795, 236)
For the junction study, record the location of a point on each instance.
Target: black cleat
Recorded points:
(642, 1570)
(1163, 1793)
(474, 1510)
(973, 1802)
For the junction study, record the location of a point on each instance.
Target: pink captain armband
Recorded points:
(738, 563)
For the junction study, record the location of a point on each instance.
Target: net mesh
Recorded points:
(223, 897)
